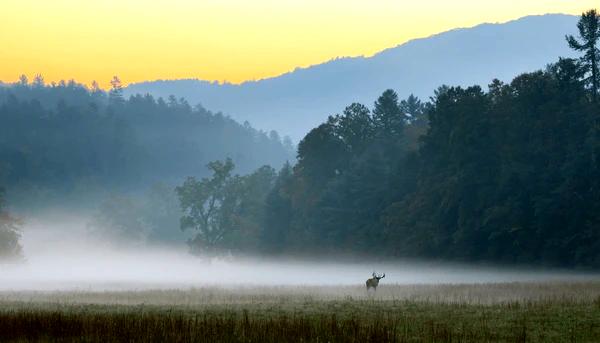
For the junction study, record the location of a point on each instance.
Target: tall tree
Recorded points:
(95, 87)
(589, 34)
(321, 155)
(10, 248)
(413, 108)
(248, 198)
(203, 202)
(354, 127)
(115, 95)
(278, 213)
(388, 117)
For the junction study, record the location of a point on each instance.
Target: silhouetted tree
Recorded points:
(248, 212)
(355, 127)
(589, 34)
(414, 109)
(503, 175)
(278, 213)
(225, 211)
(321, 155)
(388, 117)
(205, 203)
(38, 81)
(23, 81)
(115, 95)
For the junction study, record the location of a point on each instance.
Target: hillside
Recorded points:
(65, 139)
(297, 101)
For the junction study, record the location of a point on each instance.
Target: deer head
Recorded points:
(378, 277)
(374, 281)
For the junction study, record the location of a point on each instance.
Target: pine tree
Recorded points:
(38, 81)
(115, 95)
(589, 34)
(387, 114)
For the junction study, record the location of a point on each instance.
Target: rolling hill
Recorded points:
(295, 102)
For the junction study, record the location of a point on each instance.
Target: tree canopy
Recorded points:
(506, 174)
(64, 139)
(224, 211)
(589, 34)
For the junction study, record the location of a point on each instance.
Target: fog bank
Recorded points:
(60, 255)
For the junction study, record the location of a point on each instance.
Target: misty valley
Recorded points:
(471, 214)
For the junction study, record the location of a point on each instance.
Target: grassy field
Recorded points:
(508, 312)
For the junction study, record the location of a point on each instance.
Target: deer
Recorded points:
(374, 281)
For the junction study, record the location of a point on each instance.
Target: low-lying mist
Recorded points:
(61, 255)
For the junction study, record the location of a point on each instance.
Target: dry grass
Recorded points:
(510, 312)
(473, 294)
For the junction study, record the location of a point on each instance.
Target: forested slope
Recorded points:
(64, 138)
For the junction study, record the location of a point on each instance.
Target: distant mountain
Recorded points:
(295, 102)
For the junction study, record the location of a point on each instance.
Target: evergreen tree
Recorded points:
(388, 117)
(23, 81)
(38, 81)
(414, 109)
(355, 127)
(115, 95)
(589, 34)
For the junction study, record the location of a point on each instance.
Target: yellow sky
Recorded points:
(232, 40)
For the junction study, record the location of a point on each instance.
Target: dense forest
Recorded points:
(510, 174)
(66, 139)
(506, 174)
(68, 148)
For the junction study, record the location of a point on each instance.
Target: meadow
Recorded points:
(487, 312)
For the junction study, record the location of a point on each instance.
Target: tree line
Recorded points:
(506, 174)
(509, 174)
(65, 138)
(67, 146)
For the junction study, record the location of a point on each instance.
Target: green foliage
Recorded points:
(508, 175)
(278, 213)
(10, 248)
(504, 175)
(225, 210)
(208, 205)
(346, 170)
(388, 115)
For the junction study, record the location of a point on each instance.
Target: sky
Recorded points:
(224, 40)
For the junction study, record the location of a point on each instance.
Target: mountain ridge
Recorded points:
(298, 100)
